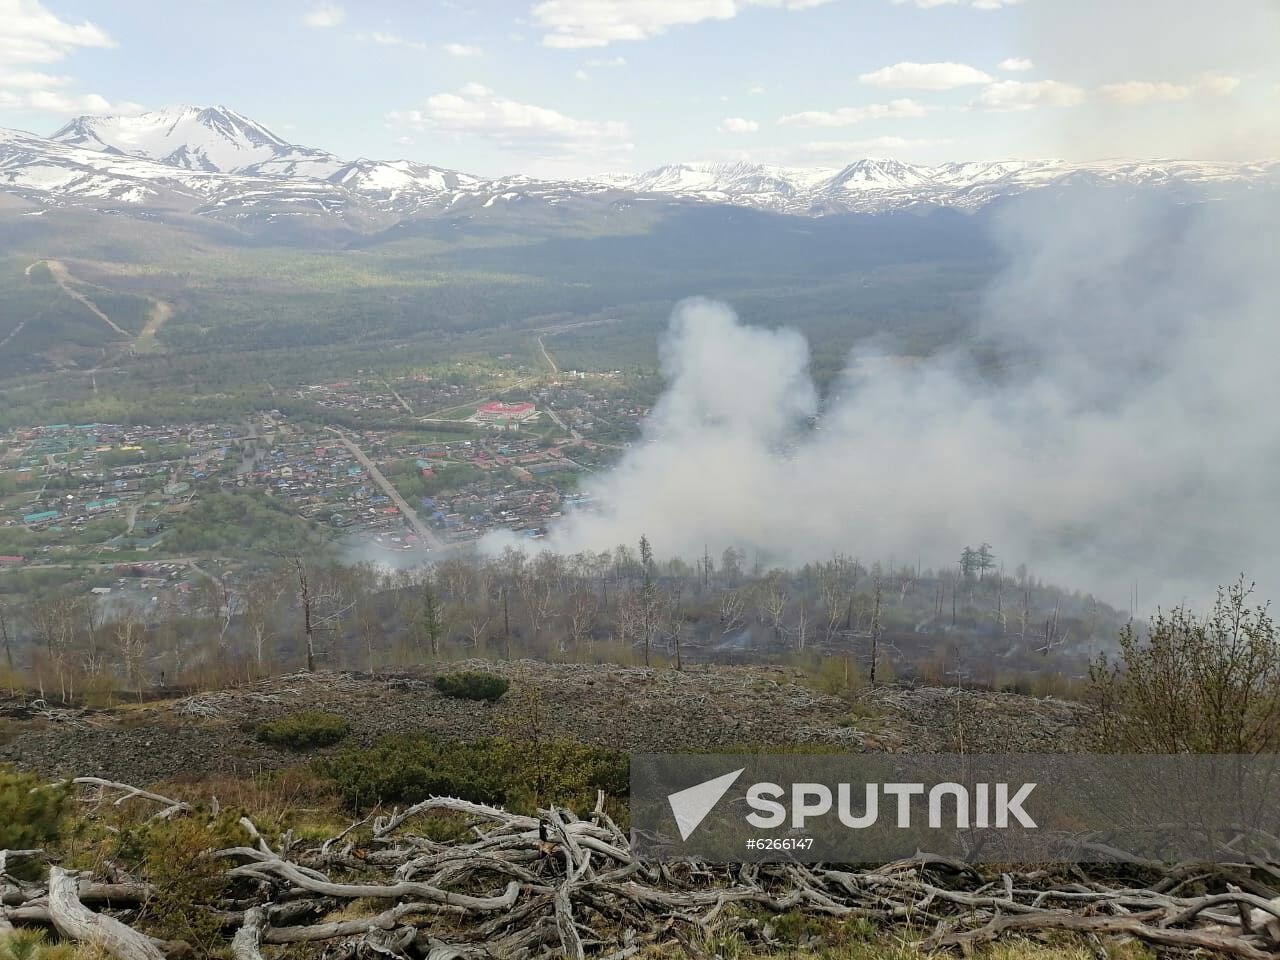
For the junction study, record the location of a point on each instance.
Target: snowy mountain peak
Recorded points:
(873, 174)
(212, 139)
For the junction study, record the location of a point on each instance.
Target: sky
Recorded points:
(569, 87)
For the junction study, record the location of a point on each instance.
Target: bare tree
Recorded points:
(1052, 638)
(582, 616)
(53, 621)
(831, 587)
(323, 607)
(5, 638)
(259, 613)
(478, 628)
(875, 631)
(648, 596)
(675, 621)
(132, 641)
(771, 602)
(802, 628)
(732, 608)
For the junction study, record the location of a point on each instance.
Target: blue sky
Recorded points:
(575, 86)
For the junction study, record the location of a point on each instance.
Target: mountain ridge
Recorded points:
(213, 161)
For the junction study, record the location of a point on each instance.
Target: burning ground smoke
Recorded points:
(1134, 437)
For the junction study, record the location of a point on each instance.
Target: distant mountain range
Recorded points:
(214, 162)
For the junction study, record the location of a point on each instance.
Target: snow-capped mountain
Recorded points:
(877, 185)
(212, 139)
(212, 161)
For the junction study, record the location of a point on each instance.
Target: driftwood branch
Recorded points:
(74, 921)
(127, 792)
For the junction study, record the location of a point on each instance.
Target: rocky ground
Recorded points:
(632, 709)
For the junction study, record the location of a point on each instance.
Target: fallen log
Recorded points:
(74, 921)
(245, 945)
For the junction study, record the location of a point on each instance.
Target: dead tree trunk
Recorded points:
(74, 921)
(308, 630)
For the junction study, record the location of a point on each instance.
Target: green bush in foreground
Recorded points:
(305, 731)
(472, 686)
(29, 812)
(409, 768)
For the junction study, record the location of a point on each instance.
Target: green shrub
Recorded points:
(34, 945)
(1195, 684)
(472, 686)
(175, 856)
(30, 814)
(305, 731)
(409, 768)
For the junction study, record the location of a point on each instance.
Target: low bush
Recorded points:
(472, 686)
(30, 814)
(409, 768)
(305, 731)
(175, 856)
(35, 945)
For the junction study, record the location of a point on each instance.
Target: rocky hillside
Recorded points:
(632, 709)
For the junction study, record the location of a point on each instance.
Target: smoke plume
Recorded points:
(1131, 434)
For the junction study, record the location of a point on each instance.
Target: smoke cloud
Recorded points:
(1131, 435)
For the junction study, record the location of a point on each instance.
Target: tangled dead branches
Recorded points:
(558, 885)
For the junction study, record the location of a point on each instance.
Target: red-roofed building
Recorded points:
(497, 412)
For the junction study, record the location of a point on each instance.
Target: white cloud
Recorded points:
(51, 102)
(925, 76)
(976, 4)
(461, 50)
(32, 81)
(597, 23)
(476, 111)
(847, 116)
(841, 152)
(31, 34)
(1015, 95)
(875, 143)
(581, 75)
(738, 125)
(607, 62)
(1136, 93)
(324, 15)
(757, 89)
(1219, 84)
(390, 40)
(1016, 64)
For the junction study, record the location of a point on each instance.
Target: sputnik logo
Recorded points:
(692, 804)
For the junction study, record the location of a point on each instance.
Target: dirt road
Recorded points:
(555, 369)
(62, 276)
(421, 529)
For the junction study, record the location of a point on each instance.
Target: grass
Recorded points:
(795, 934)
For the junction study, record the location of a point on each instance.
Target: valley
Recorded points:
(360, 518)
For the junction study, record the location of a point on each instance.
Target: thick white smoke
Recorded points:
(1133, 437)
